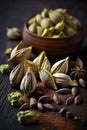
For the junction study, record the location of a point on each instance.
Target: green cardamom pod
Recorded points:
(55, 16)
(39, 59)
(28, 83)
(46, 64)
(60, 66)
(20, 55)
(46, 23)
(47, 79)
(16, 75)
(13, 33)
(16, 48)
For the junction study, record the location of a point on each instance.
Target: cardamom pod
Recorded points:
(20, 55)
(26, 117)
(46, 64)
(60, 26)
(45, 13)
(38, 18)
(71, 21)
(46, 23)
(32, 65)
(16, 48)
(28, 83)
(16, 74)
(47, 79)
(39, 30)
(13, 33)
(39, 59)
(32, 27)
(60, 66)
(55, 16)
(64, 80)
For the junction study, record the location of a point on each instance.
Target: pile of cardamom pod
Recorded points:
(26, 73)
(55, 23)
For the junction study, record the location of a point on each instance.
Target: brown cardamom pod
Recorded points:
(74, 91)
(69, 100)
(77, 100)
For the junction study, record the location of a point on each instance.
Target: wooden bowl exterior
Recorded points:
(53, 46)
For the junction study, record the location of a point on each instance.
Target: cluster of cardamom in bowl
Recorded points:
(55, 23)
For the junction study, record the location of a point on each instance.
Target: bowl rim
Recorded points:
(80, 30)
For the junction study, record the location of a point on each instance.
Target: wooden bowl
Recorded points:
(53, 46)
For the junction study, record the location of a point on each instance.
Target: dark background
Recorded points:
(13, 13)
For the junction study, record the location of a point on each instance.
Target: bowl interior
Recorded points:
(54, 46)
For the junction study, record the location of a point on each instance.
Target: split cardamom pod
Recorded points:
(28, 83)
(16, 48)
(60, 66)
(47, 78)
(39, 59)
(20, 55)
(16, 74)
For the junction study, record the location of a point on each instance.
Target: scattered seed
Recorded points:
(33, 102)
(69, 114)
(77, 118)
(63, 111)
(56, 99)
(45, 98)
(64, 91)
(39, 106)
(24, 106)
(82, 82)
(74, 91)
(69, 100)
(48, 106)
(77, 100)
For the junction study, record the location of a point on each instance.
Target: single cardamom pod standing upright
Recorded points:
(39, 59)
(47, 78)
(16, 74)
(28, 83)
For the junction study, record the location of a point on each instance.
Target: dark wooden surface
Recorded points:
(13, 14)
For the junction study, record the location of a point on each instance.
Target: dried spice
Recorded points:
(13, 33)
(5, 68)
(24, 106)
(56, 99)
(26, 117)
(78, 72)
(77, 100)
(48, 106)
(64, 91)
(82, 82)
(74, 91)
(15, 98)
(33, 102)
(69, 100)
(63, 111)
